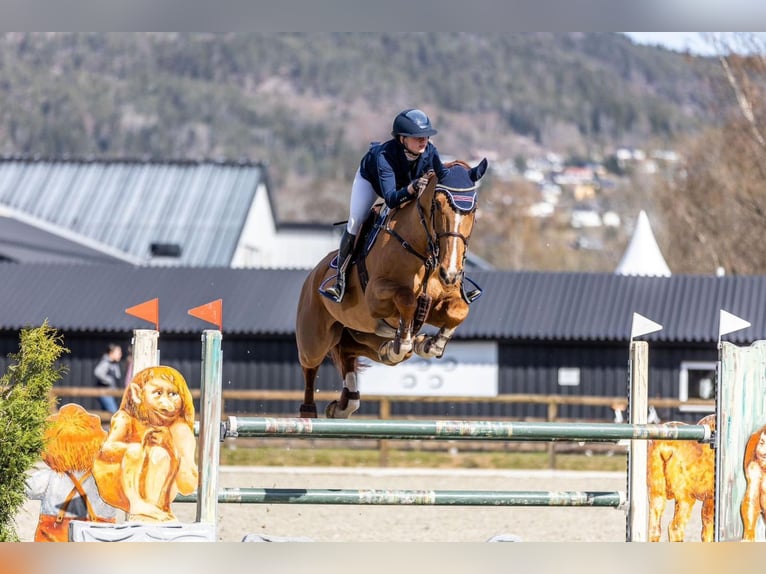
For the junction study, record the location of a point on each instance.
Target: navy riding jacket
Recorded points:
(390, 172)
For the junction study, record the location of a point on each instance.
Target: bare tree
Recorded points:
(714, 209)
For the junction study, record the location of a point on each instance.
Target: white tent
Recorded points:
(643, 255)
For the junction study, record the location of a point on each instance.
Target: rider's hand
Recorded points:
(418, 185)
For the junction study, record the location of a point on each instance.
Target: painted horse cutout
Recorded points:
(683, 471)
(413, 275)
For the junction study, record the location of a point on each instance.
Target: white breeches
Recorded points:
(363, 197)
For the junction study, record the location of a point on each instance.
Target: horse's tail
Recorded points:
(658, 455)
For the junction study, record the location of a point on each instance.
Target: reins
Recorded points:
(431, 259)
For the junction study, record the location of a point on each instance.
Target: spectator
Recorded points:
(108, 374)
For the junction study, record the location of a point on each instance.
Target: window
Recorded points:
(697, 381)
(569, 376)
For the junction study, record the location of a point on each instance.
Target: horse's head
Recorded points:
(453, 215)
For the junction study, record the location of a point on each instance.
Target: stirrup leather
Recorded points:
(336, 291)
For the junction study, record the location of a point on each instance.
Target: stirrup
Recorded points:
(469, 296)
(335, 291)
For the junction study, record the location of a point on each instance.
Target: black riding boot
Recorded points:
(338, 289)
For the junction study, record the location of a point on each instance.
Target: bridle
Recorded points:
(431, 258)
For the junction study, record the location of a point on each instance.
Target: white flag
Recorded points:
(730, 323)
(643, 326)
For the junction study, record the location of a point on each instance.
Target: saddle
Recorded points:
(371, 228)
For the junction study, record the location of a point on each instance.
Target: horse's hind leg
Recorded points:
(349, 400)
(708, 516)
(656, 510)
(345, 358)
(309, 408)
(681, 516)
(657, 489)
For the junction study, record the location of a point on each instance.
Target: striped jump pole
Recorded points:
(416, 497)
(254, 427)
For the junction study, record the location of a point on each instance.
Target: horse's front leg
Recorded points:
(400, 347)
(432, 346)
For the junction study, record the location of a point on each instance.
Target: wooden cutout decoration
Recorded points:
(149, 454)
(67, 488)
(683, 471)
(754, 500)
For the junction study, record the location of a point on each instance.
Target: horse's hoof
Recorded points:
(334, 410)
(422, 346)
(308, 411)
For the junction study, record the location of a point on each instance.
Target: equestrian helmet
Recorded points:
(412, 123)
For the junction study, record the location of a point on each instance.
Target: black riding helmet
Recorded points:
(412, 123)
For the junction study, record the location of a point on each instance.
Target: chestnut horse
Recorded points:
(414, 276)
(683, 471)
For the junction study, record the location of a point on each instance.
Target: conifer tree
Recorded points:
(25, 403)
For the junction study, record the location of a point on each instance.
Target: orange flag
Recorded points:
(148, 311)
(211, 312)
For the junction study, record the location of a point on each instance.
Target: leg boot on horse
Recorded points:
(336, 291)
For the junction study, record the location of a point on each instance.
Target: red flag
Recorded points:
(148, 311)
(211, 312)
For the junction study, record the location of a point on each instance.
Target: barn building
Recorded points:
(531, 332)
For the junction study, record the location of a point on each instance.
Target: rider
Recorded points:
(396, 170)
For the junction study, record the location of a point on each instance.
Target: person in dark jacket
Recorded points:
(108, 374)
(395, 170)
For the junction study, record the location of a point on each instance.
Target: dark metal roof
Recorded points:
(516, 305)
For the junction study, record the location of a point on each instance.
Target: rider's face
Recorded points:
(415, 144)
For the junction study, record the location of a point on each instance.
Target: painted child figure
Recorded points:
(67, 488)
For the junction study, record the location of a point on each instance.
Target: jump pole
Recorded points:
(637, 520)
(209, 449)
(638, 403)
(211, 402)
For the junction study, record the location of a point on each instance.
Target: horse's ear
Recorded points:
(477, 172)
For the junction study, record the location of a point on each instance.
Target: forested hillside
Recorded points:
(263, 96)
(308, 104)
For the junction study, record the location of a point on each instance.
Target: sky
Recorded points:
(701, 43)
(678, 41)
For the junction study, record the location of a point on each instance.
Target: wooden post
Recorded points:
(385, 413)
(145, 353)
(209, 448)
(638, 404)
(553, 412)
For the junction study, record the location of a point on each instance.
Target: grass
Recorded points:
(256, 455)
